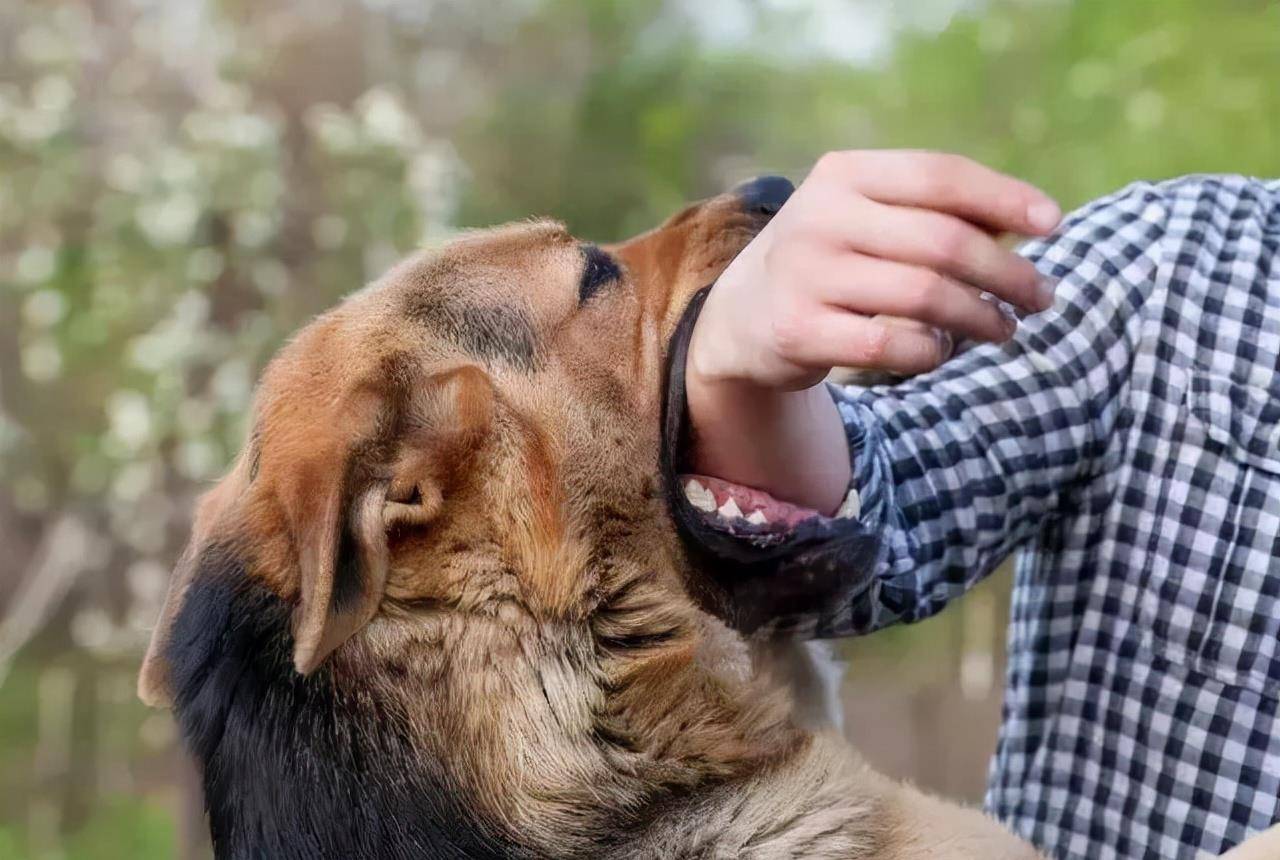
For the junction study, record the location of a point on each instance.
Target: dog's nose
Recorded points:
(764, 194)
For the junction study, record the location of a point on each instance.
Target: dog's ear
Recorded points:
(343, 528)
(336, 508)
(155, 684)
(342, 561)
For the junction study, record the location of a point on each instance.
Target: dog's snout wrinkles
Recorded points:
(765, 194)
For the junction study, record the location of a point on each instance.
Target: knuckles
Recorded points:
(953, 243)
(791, 330)
(937, 176)
(836, 163)
(928, 295)
(872, 350)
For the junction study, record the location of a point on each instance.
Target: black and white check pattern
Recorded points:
(1127, 445)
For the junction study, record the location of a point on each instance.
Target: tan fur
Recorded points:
(522, 599)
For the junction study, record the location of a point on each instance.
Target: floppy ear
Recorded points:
(343, 558)
(337, 511)
(342, 561)
(155, 686)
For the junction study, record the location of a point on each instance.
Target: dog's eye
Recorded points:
(599, 269)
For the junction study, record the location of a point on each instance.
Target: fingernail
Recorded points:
(1044, 216)
(1008, 313)
(945, 343)
(1010, 319)
(1044, 292)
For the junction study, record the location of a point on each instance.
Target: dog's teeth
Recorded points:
(730, 510)
(757, 518)
(851, 507)
(699, 496)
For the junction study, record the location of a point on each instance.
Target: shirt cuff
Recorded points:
(897, 591)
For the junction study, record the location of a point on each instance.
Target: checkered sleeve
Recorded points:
(959, 467)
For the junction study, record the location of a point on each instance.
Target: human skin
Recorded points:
(880, 260)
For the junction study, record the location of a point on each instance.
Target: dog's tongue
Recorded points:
(733, 504)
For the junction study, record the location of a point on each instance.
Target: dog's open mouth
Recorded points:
(737, 509)
(702, 503)
(760, 562)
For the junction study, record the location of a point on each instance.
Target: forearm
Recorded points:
(790, 444)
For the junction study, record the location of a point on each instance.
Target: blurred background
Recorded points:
(184, 182)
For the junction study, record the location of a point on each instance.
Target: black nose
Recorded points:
(765, 194)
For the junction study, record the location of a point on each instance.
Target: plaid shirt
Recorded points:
(1126, 444)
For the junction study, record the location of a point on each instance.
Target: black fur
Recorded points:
(489, 332)
(599, 269)
(295, 767)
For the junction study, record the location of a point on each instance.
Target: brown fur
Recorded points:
(518, 596)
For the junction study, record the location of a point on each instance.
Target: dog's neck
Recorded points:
(580, 734)
(529, 739)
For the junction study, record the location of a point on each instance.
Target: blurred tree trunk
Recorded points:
(80, 782)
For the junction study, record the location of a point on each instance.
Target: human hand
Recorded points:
(878, 261)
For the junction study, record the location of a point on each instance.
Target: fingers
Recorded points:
(876, 262)
(948, 343)
(943, 243)
(871, 286)
(947, 183)
(831, 338)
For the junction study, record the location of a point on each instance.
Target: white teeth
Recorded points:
(851, 507)
(757, 518)
(730, 510)
(699, 496)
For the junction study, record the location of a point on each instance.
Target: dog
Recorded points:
(448, 602)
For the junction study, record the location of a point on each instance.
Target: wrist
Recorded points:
(789, 443)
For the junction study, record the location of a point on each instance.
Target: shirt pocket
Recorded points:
(1212, 595)
(1242, 420)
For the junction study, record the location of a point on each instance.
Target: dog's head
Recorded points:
(477, 430)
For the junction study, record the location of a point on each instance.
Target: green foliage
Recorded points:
(1079, 97)
(124, 829)
(156, 269)
(1085, 97)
